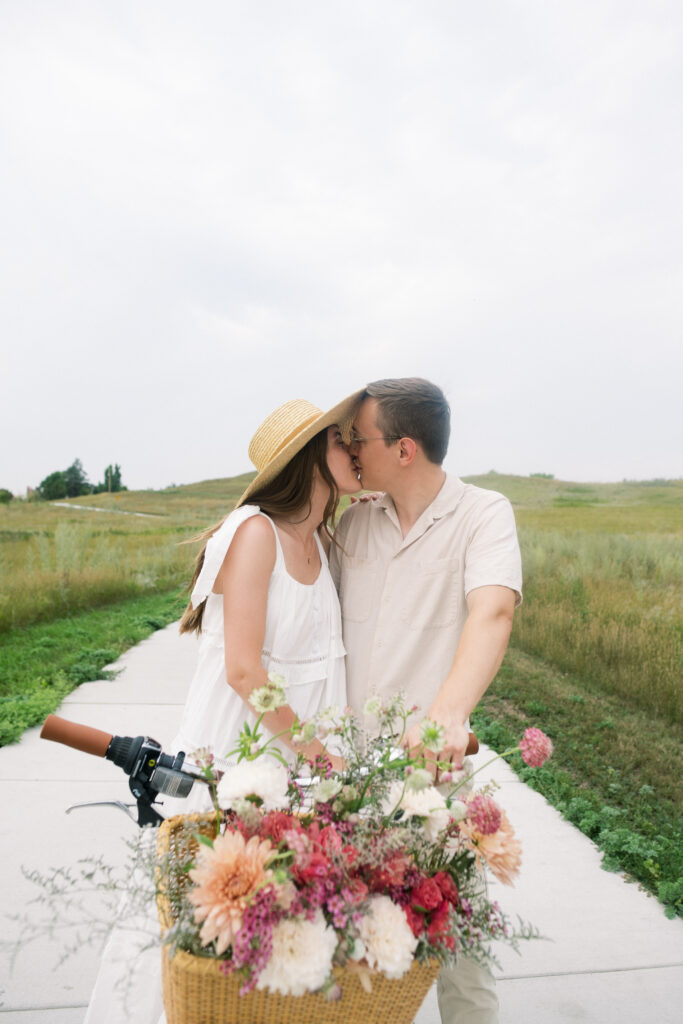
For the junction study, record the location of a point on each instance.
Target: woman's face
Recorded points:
(340, 463)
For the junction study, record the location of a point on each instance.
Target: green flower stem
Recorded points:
(506, 753)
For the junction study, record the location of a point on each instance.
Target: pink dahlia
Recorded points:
(500, 850)
(226, 877)
(535, 747)
(484, 813)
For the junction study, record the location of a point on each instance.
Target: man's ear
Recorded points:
(407, 450)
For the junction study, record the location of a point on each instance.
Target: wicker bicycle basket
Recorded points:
(197, 992)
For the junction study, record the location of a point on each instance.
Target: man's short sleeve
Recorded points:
(492, 556)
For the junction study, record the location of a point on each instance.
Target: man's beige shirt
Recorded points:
(403, 600)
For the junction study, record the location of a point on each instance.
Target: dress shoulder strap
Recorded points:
(216, 550)
(279, 553)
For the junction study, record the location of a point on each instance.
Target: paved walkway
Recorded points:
(611, 957)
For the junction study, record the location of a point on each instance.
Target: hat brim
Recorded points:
(341, 413)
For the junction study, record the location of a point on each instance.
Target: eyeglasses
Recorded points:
(355, 439)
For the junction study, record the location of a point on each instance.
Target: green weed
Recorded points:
(41, 664)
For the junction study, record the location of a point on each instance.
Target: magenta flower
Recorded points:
(484, 813)
(535, 747)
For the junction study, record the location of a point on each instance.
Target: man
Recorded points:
(428, 577)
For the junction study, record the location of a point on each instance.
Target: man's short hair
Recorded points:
(416, 408)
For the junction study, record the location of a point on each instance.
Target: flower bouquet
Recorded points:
(308, 884)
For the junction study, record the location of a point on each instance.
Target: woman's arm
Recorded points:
(243, 580)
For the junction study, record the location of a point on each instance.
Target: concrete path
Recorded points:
(611, 957)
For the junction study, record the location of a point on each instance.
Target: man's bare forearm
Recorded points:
(481, 648)
(483, 643)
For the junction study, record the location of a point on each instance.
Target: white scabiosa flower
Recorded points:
(301, 960)
(458, 810)
(326, 790)
(427, 804)
(304, 732)
(261, 778)
(269, 697)
(432, 735)
(387, 937)
(372, 706)
(419, 779)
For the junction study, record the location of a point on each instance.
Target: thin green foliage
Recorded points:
(614, 773)
(41, 664)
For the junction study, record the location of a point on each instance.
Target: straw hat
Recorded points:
(286, 431)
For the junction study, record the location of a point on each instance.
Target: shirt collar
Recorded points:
(448, 498)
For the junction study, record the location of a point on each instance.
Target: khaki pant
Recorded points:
(467, 994)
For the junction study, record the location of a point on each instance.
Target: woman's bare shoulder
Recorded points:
(255, 533)
(251, 554)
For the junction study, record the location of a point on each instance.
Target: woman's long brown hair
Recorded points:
(288, 495)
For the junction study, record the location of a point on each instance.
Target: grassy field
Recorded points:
(595, 658)
(58, 559)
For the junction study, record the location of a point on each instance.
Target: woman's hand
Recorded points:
(372, 496)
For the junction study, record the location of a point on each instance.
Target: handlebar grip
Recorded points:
(472, 744)
(80, 737)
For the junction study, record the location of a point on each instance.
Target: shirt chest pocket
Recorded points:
(434, 595)
(357, 588)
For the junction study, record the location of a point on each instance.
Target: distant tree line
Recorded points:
(73, 482)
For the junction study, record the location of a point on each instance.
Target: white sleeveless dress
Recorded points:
(303, 644)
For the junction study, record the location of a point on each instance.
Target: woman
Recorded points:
(263, 598)
(263, 601)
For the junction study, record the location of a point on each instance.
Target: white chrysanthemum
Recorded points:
(265, 779)
(388, 938)
(301, 960)
(428, 804)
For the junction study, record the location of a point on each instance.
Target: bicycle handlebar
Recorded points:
(80, 737)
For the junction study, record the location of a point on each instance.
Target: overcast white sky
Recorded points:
(210, 208)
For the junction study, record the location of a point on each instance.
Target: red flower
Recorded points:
(390, 874)
(449, 889)
(415, 920)
(357, 890)
(351, 855)
(330, 840)
(277, 822)
(439, 926)
(317, 866)
(427, 894)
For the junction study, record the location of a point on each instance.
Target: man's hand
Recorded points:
(456, 737)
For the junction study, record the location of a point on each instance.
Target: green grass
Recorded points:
(612, 774)
(56, 560)
(41, 664)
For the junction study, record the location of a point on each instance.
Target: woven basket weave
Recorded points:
(196, 992)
